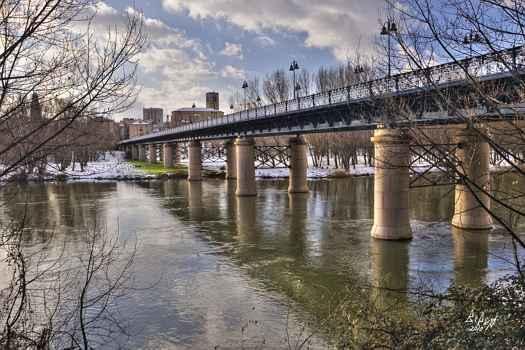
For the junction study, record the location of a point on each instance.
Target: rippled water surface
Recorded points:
(227, 271)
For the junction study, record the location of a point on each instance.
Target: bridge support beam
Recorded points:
(473, 156)
(391, 185)
(298, 166)
(231, 160)
(195, 161)
(245, 148)
(152, 153)
(168, 155)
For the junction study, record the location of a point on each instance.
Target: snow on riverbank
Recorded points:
(112, 166)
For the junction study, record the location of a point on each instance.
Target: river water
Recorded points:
(211, 269)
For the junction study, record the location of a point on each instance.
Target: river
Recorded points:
(211, 269)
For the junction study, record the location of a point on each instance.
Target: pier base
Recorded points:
(135, 152)
(231, 160)
(142, 153)
(194, 161)
(391, 185)
(473, 157)
(245, 148)
(298, 166)
(168, 155)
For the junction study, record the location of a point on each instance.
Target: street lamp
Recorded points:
(472, 38)
(244, 87)
(388, 29)
(293, 67)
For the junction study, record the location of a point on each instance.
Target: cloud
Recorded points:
(264, 41)
(338, 25)
(173, 70)
(232, 50)
(233, 73)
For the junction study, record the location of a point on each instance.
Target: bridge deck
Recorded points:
(360, 106)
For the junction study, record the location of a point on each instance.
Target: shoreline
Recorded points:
(211, 174)
(119, 170)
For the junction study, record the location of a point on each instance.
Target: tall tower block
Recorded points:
(212, 100)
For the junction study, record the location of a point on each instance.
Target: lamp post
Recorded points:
(293, 67)
(244, 87)
(388, 29)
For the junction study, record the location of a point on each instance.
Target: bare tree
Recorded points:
(277, 86)
(59, 73)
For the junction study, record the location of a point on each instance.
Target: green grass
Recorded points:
(159, 169)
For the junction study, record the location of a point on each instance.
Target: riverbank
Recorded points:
(112, 166)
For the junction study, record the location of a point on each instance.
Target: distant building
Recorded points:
(190, 115)
(153, 115)
(212, 100)
(124, 127)
(139, 128)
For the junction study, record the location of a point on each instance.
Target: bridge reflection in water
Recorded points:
(325, 232)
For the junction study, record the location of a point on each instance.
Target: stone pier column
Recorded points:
(152, 153)
(391, 185)
(194, 161)
(298, 165)
(168, 155)
(473, 156)
(135, 152)
(231, 160)
(142, 153)
(245, 148)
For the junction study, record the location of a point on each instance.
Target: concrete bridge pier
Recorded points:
(135, 152)
(473, 155)
(231, 160)
(194, 161)
(142, 153)
(152, 153)
(245, 148)
(391, 185)
(168, 155)
(298, 165)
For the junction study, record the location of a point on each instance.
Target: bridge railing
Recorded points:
(475, 67)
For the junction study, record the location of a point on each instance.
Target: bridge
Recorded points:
(368, 105)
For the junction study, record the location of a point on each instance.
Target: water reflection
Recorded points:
(220, 255)
(247, 219)
(470, 256)
(195, 205)
(389, 270)
(298, 213)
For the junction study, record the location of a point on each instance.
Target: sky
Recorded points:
(196, 46)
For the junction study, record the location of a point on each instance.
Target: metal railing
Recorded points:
(477, 67)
